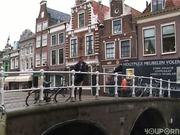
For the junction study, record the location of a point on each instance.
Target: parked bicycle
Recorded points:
(56, 94)
(143, 89)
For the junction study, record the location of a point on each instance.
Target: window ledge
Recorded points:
(169, 53)
(149, 55)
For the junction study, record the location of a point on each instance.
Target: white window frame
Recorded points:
(146, 28)
(38, 60)
(38, 42)
(42, 14)
(81, 12)
(120, 42)
(16, 62)
(76, 47)
(63, 37)
(58, 56)
(12, 63)
(38, 27)
(114, 50)
(163, 5)
(44, 59)
(44, 39)
(120, 32)
(166, 24)
(45, 25)
(90, 34)
(52, 40)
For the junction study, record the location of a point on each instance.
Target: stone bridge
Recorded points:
(115, 116)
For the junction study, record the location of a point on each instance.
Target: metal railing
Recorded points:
(146, 86)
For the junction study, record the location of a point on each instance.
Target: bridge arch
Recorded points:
(149, 118)
(76, 127)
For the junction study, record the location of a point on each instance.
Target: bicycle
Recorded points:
(142, 89)
(56, 94)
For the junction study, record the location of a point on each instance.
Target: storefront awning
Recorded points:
(18, 78)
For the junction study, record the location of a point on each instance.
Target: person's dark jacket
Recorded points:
(83, 67)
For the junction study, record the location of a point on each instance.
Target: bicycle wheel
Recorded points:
(60, 95)
(146, 92)
(138, 92)
(32, 97)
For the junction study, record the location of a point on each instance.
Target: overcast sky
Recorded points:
(18, 15)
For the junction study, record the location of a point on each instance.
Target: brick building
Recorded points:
(47, 20)
(158, 42)
(56, 52)
(119, 37)
(47, 17)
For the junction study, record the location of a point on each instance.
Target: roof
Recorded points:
(134, 12)
(170, 6)
(58, 16)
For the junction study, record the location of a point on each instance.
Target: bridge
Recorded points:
(95, 115)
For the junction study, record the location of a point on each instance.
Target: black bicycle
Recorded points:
(142, 89)
(56, 94)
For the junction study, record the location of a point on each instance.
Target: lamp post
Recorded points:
(100, 28)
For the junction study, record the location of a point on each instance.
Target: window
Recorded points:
(42, 14)
(58, 80)
(117, 26)
(12, 63)
(149, 41)
(168, 38)
(81, 20)
(31, 49)
(27, 64)
(110, 50)
(44, 39)
(27, 50)
(38, 27)
(125, 49)
(53, 57)
(73, 47)
(89, 45)
(44, 58)
(31, 62)
(38, 41)
(61, 56)
(53, 39)
(157, 5)
(16, 62)
(45, 25)
(37, 59)
(61, 38)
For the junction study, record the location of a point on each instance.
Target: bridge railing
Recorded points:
(100, 84)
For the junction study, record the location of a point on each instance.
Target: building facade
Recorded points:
(26, 47)
(119, 37)
(47, 17)
(56, 52)
(83, 37)
(158, 42)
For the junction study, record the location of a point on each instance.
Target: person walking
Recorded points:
(79, 77)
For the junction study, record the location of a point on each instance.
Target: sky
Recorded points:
(18, 15)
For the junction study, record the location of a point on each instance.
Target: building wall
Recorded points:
(157, 23)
